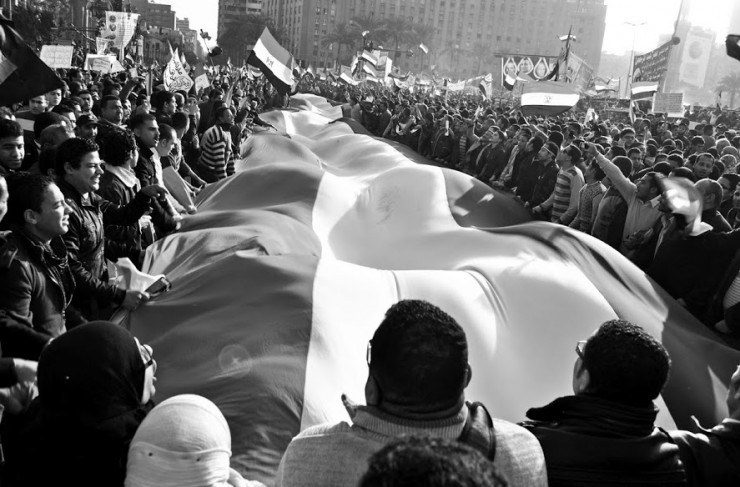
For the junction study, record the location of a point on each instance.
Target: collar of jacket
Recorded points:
(53, 254)
(595, 413)
(127, 176)
(70, 192)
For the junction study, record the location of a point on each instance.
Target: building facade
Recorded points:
(230, 8)
(154, 14)
(462, 29)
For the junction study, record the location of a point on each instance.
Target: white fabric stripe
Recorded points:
(549, 99)
(644, 88)
(278, 67)
(372, 257)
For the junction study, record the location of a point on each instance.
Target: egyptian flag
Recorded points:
(548, 98)
(286, 270)
(22, 74)
(274, 61)
(643, 90)
(509, 82)
(486, 85)
(732, 43)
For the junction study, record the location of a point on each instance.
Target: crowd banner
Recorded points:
(579, 72)
(548, 98)
(119, 28)
(652, 66)
(57, 56)
(669, 103)
(456, 86)
(486, 85)
(535, 66)
(286, 270)
(201, 82)
(102, 45)
(23, 74)
(175, 77)
(103, 63)
(274, 60)
(695, 57)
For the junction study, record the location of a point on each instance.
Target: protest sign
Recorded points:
(534, 66)
(57, 56)
(653, 65)
(670, 103)
(174, 76)
(201, 82)
(579, 72)
(98, 62)
(119, 28)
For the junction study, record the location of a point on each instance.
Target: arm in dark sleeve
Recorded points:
(125, 215)
(87, 284)
(17, 335)
(8, 376)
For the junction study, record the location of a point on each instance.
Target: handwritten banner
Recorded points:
(57, 56)
(175, 77)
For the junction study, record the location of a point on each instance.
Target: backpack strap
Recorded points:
(478, 431)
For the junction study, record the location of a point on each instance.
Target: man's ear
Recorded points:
(29, 216)
(581, 378)
(372, 391)
(468, 375)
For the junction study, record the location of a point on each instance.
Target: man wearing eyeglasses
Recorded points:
(605, 434)
(418, 371)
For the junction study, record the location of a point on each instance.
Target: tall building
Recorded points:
(190, 36)
(230, 8)
(154, 14)
(460, 28)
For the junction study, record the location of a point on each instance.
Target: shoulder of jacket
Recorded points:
(8, 250)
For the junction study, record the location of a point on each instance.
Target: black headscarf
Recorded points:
(90, 382)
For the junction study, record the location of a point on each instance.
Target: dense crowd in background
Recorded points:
(103, 168)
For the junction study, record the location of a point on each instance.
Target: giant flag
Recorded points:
(274, 61)
(547, 98)
(22, 74)
(280, 279)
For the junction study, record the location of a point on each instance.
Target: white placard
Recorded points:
(57, 56)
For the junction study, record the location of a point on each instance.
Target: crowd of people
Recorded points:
(101, 169)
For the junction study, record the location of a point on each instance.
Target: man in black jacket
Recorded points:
(79, 168)
(36, 284)
(605, 434)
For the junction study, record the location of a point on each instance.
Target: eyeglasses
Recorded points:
(580, 347)
(146, 355)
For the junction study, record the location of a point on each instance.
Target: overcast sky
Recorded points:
(658, 15)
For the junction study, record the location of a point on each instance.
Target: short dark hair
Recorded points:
(598, 172)
(419, 356)
(684, 172)
(160, 98)
(634, 150)
(10, 128)
(574, 153)
(116, 147)
(140, 119)
(662, 167)
(26, 191)
(166, 132)
(625, 363)
(624, 164)
(677, 159)
(432, 462)
(104, 101)
(180, 120)
(617, 151)
(72, 151)
(220, 111)
(46, 119)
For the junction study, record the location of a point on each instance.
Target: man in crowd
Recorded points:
(36, 283)
(563, 202)
(642, 210)
(87, 127)
(605, 434)
(711, 192)
(12, 146)
(79, 169)
(111, 116)
(215, 161)
(418, 361)
(546, 171)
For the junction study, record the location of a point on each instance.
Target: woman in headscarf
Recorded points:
(184, 442)
(95, 387)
